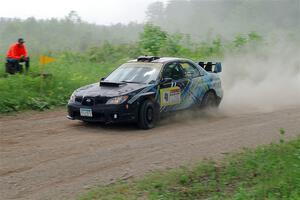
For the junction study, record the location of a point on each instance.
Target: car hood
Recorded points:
(95, 89)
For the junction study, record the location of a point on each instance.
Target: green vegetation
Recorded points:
(68, 34)
(268, 172)
(205, 19)
(32, 91)
(202, 20)
(86, 52)
(152, 39)
(73, 70)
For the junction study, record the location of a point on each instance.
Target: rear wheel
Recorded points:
(209, 100)
(147, 115)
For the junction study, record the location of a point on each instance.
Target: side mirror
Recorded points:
(218, 68)
(166, 80)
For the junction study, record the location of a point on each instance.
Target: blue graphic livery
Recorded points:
(143, 89)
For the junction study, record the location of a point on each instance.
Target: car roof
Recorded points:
(162, 60)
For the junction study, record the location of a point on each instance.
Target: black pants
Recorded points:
(13, 65)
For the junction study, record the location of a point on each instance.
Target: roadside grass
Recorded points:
(73, 69)
(268, 172)
(34, 92)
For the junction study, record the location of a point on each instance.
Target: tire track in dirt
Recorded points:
(46, 156)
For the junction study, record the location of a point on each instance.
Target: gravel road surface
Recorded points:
(45, 156)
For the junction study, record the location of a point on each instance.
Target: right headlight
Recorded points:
(117, 100)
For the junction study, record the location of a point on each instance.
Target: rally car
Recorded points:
(143, 89)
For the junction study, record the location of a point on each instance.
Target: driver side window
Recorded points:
(173, 70)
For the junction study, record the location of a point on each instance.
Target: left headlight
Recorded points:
(72, 98)
(117, 100)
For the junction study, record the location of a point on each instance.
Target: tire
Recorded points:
(10, 68)
(209, 100)
(147, 115)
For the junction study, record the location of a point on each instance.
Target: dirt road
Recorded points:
(46, 156)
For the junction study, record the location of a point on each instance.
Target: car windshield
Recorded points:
(135, 73)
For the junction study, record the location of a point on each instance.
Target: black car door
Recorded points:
(172, 86)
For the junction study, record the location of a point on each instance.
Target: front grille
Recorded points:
(88, 101)
(78, 99)
(101, 100)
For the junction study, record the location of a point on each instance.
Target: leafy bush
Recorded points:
(32, 91)
(152, 39)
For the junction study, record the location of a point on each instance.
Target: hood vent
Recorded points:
(111, 84)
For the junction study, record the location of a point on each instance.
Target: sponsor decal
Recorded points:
(170, 96)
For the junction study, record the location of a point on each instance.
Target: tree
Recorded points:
(172, 45)
(155, 12)
(73, 17)
(152, 39)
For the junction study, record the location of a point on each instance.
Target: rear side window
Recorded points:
(190, 70)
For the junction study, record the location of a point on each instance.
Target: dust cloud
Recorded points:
(262, 80)
(258, 78)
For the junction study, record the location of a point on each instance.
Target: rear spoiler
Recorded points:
(211, 67)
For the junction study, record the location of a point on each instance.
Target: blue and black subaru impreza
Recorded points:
(143, 89)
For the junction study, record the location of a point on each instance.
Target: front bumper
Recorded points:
(104, 113)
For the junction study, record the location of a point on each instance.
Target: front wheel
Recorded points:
(147, 115)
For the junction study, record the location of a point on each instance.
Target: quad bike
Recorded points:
(13, 68)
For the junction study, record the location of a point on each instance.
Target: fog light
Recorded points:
(115, 116)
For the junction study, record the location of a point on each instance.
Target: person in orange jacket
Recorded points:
(16, 54)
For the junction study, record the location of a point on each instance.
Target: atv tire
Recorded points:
(147, 115)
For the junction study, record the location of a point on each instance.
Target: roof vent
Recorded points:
(147, 58)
